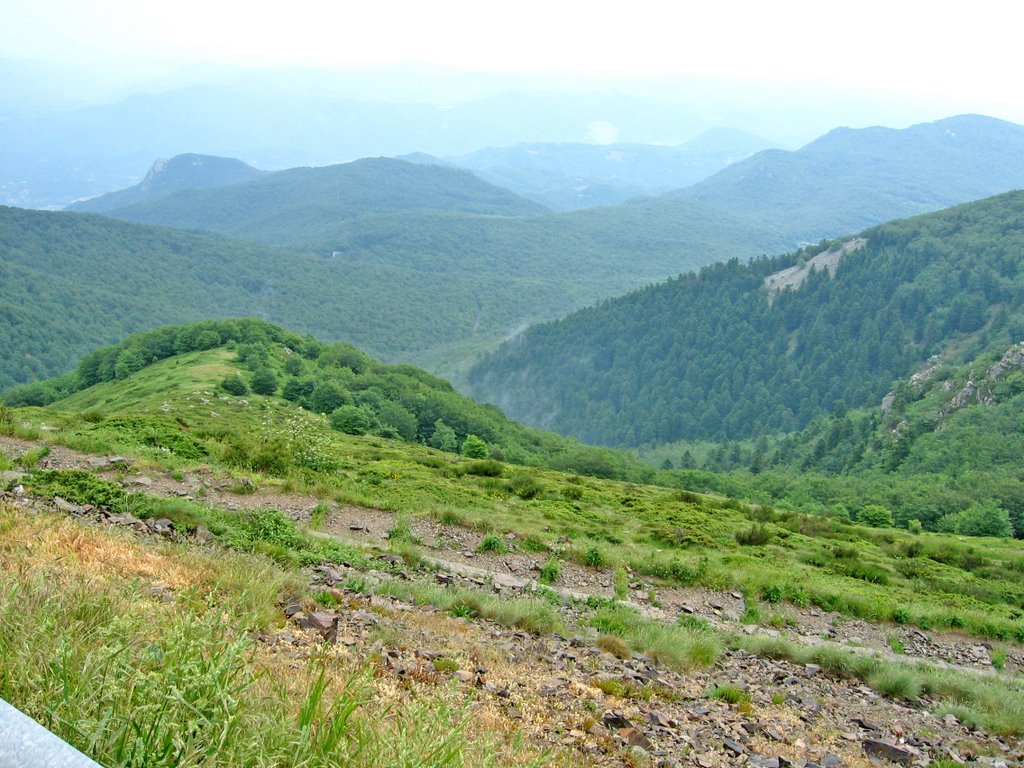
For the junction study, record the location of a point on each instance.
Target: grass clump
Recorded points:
(550, 572)
(401, 532)
(621, 583)
(616, 646)
(524, 485)
(678, 647)
(756, 536)
(730, 694)
(999, 657)
(486, 468)
(492, 542)
(318, 516)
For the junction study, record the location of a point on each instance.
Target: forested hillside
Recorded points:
(717, 355)
(188, 171)
(70, 282)
(360, 394)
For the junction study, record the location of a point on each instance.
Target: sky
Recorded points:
(962, 56)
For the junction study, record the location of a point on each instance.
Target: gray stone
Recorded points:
(887, 751)
(7, 477)
(615, 720)
(162, 526)
(126, 519)
(66, 506)
(734, 746)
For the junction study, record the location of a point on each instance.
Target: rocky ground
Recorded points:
(567, 692)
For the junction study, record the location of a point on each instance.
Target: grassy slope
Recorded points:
(928, 579)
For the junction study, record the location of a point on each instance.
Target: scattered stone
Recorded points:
(615, 720)
(887, 751)
(635, 738)
(828, 760)
(126, 519)
(142, 481)
(760, 761)
(867, 725)
(734, 746)
(66, 506)
(162, 527)
(10, 476)
(203, 534)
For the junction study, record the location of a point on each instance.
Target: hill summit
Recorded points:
(188, 171)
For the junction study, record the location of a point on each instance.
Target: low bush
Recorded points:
(756, 536)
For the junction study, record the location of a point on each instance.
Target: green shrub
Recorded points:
(572, 492)
(353, 419)
(550, 572)
(78, 487)
(486, 468)
(875, 516)
(264, 382)
(524, 485)
(757, 535)
(474, 447)
(235, 385)
(493, 543)
(594, 557)
(771, 593)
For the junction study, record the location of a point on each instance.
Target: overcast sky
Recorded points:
(961, 56)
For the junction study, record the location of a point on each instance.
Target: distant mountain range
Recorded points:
(851, 179)
(308, 207)
(741, 350)
(567, 177)
(432, 265)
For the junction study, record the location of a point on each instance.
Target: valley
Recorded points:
(647, 395)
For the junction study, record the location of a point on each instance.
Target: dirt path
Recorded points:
(457, 550)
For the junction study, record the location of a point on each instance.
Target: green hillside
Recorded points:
(189, 171)
(360, 394)
(851, 179)
(430, 288)
(327, 420)
(724, 354)
(944, 448)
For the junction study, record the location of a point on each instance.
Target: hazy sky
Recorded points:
(965, 55)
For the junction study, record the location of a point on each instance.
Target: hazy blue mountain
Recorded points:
(306, 207)
(188, 171)
(68, 135)
(571, 176)
(850, 179)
